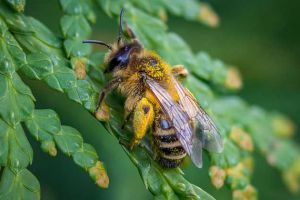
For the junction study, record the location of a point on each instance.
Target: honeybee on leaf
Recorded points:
(157, 101)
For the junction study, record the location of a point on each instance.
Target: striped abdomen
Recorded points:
(169, 149)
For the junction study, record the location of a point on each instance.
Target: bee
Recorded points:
(157, 101)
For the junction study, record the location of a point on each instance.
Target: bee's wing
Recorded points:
(210, 137)
(180, 121)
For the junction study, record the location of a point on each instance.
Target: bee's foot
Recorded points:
(123, 126)
(134, 143)
(124, 143)
(102, 113)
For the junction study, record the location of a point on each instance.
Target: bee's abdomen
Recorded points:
(170, 150)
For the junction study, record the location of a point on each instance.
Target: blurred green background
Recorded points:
(261, 38)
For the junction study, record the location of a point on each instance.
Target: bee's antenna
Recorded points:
(120, 25)
(97, 42)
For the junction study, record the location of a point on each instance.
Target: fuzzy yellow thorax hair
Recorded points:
(161, 69)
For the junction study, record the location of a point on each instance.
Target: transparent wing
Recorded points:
(180, 121)
(209, 135)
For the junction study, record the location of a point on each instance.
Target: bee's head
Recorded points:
(121, 52)
(120, 55)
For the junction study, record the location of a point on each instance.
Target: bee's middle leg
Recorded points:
(143, 116)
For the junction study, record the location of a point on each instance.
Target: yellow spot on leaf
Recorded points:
(79, 65)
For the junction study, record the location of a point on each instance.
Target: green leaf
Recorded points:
(189, 9)
(42, 33)
(154, 7)
(112, 7)
(12, 56)
(43, 124)
(200, 90)
(164, 184)
(86, 156)
(31, 34)
(75, 48)
(84, 93)
(4, 143)
(152, 177)
(39, 66)
(145, 26)
(54, 71)
(15, 22)
(76, 6)
(16, 99)
(15, 149)
(68, 140)
(205, 67)
(20, 151)
(183, 188)
(61, 79)
(229, 157)
(17, 5)
(176, 51)
(75, 26)
(28, 26)
(20, 184)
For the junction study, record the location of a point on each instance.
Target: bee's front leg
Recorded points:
(109, 87)
(179, 71)
(143, 116)
(102, 110)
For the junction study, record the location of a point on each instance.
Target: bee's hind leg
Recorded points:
(179, 71)
(143, 116)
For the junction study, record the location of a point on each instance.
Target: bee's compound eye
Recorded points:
(116, 61)
(164, 124)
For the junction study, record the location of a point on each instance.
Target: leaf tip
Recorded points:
(98, 173)
(283, 126)
(291, 176)
(217, 176)
(49, 147)
(163, 15)
(208, 16)
(233, 80)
